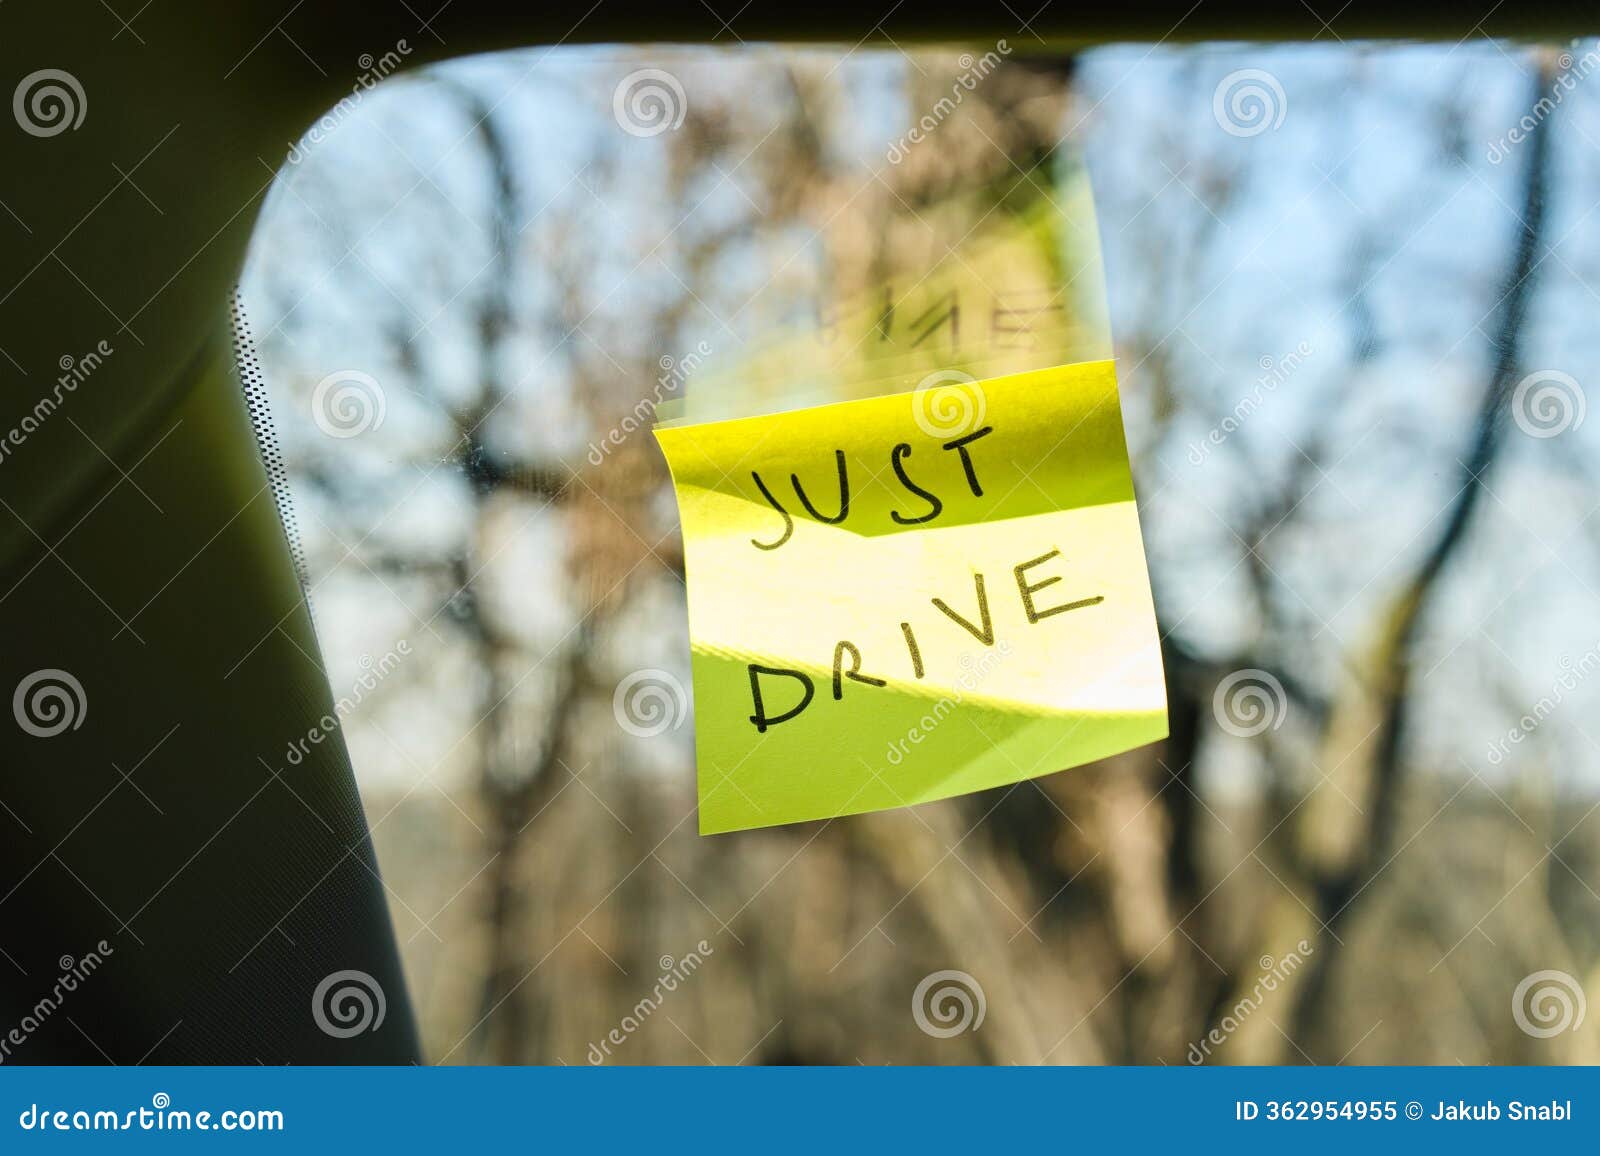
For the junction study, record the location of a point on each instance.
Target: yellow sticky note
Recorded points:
(910, 597)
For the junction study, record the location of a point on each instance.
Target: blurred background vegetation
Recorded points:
(1321, 322)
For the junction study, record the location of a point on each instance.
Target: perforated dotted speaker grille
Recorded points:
(255, 398)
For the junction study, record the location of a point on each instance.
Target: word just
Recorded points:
(897, 458)
(847, 656)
